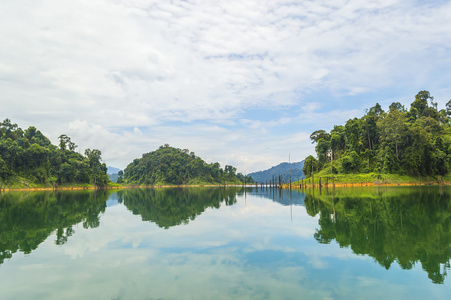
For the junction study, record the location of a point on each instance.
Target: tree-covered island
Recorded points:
(396, 146)
(172, 166)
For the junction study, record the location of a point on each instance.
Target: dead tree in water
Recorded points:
(289, 166)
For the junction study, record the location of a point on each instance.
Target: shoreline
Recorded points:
(284, 186)
(365, 184)
(78, 188)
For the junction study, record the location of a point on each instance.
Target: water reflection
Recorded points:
(403, 225)
(174, 206)
(28, 218)
(284, 197)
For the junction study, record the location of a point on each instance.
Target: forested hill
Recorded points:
(168, 165)
(28, 159)
(414, 141)
(281, 169)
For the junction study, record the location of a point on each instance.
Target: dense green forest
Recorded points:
(169, 165)
(414, 142)
(28, 158)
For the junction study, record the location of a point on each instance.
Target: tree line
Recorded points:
(29, 156)
(414, 141)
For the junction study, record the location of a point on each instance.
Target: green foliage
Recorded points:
(168, 165)
(310, 165)
(28, 159)
(415, 142)
(351, 162)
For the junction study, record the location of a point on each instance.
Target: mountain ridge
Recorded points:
(280, 169)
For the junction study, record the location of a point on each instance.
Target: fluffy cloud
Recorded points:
(117, 65)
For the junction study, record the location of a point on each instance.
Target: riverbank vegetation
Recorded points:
(28, 159)
(399, 146)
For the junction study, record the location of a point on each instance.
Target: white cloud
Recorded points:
(118, 64)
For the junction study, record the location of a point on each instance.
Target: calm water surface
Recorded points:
(212, 243)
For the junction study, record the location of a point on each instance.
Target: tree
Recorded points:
(65, 141)
(8, 129)
(352, 131)
(448, 107)
(398, 106)
(36, 137)
(319, 134)
(4, 171)
(392, 128)
(334, 145)
(309, 165)
(322, 150)
(94, 157)
(229, 170)
(350, 162)
(419, 106)
(121, 174)
(376, 110)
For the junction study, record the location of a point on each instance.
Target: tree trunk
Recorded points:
(396, 147)
(331, 164)
(313, 178)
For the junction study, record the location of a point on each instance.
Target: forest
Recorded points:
(169, 165)
(413, 142)
(28, 159)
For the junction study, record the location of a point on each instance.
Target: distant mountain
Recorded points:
(113, 177)
(112, 173)
(112, 170)
(281, 169)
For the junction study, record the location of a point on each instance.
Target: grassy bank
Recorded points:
(370, 179)
(22, 183)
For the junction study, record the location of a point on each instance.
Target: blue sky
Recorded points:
(237, 82)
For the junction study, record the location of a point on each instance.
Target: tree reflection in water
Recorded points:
(28, 218)
(403, 225)
(174, 206)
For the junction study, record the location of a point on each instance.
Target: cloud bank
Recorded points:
(239, 82)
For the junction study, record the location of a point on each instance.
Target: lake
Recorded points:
(233, 243)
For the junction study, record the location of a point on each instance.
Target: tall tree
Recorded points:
(392, 127)
(94, 157)
(419, 106)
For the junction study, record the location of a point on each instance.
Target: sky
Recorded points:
(242, 83)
